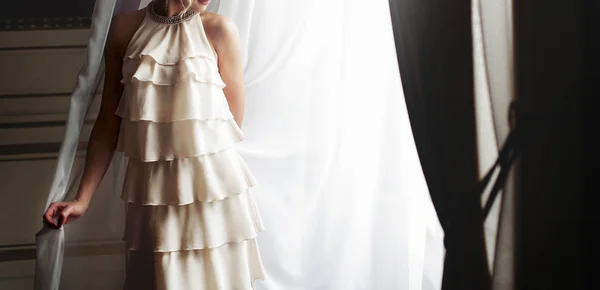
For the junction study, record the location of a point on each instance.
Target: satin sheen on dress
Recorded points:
(191, 218)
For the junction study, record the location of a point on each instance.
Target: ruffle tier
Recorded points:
(188, 100)
(198, 225)
(146, 69)
(150, 141)
(233, 266)
(204, 178)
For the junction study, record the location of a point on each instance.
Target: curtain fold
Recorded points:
(434, 48)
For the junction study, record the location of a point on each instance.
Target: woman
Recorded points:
(173, 102)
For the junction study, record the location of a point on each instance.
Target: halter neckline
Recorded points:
(176, 19)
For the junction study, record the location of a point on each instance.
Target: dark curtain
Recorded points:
(555, 181)
(434, 49)
(555, 68)
(591, 152)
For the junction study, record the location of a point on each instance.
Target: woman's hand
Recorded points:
(60, 213)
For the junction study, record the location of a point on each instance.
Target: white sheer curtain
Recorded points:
(341, 190)
(328, 137)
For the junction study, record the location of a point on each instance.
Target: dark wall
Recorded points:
(45, 14)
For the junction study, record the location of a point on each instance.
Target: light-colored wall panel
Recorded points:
(25, 108)
(23, 183)
(100, 272)
(17, 275)
(43, 38)
(39, 71)
(21, 106)
(41, 134)
(38, 74)
(25, 186)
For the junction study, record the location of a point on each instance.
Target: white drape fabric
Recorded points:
(343, 198)
(327, 135)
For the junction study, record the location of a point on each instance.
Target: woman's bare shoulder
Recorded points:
(219, 27)
(124, 25)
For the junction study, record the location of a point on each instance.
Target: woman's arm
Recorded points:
(227, 45)
(102, 141)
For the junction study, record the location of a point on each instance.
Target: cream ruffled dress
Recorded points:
(191, 219)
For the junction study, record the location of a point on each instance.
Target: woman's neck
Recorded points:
(176, 7)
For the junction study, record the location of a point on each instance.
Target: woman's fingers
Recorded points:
(61, 213)
(51, 213)
(64, 216)
(54, 213)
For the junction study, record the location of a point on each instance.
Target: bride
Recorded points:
(173, 103)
